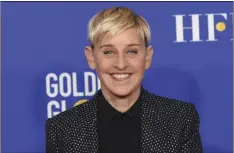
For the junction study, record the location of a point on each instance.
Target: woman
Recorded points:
(123, 117)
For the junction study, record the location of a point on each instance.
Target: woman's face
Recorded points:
(120, 62)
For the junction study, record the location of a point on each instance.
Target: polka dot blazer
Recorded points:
(167, 126)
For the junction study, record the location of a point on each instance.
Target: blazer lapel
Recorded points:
(150, 124)
(85, 133)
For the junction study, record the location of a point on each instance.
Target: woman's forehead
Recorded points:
(129, 37)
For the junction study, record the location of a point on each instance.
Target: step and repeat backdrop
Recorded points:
(44, 70)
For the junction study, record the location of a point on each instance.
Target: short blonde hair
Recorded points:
(117, 20)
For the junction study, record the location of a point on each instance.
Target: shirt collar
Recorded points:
(107, 112)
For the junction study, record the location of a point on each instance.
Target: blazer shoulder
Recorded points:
(172, 106)
(76, 113)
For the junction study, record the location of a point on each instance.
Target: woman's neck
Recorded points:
(121, 104)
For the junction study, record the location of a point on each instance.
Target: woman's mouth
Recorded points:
(122, 76)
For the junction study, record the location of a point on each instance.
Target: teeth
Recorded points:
(120, 76)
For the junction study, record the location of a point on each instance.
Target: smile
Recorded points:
(120, 76)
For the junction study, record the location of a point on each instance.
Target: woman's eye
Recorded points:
(108, 52)
(132, 52)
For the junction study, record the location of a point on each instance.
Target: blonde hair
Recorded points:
(116, 20)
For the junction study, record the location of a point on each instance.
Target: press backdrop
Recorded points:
(44, 70)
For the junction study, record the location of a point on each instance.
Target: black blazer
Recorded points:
(167, 126)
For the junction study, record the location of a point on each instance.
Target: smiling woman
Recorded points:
(123, 117)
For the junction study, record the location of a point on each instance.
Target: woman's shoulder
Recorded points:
(169, 105)
(171, 110)
(78, 113)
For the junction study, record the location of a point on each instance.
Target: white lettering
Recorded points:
(211, 25)
(55, 104)
(75, 86)
(88, 75)
(65, 82)
(180, 28)
(51, 88)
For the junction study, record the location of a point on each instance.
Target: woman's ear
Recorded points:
(90, 57)
(149, 55)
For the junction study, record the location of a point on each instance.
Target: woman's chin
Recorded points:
(123, 91)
